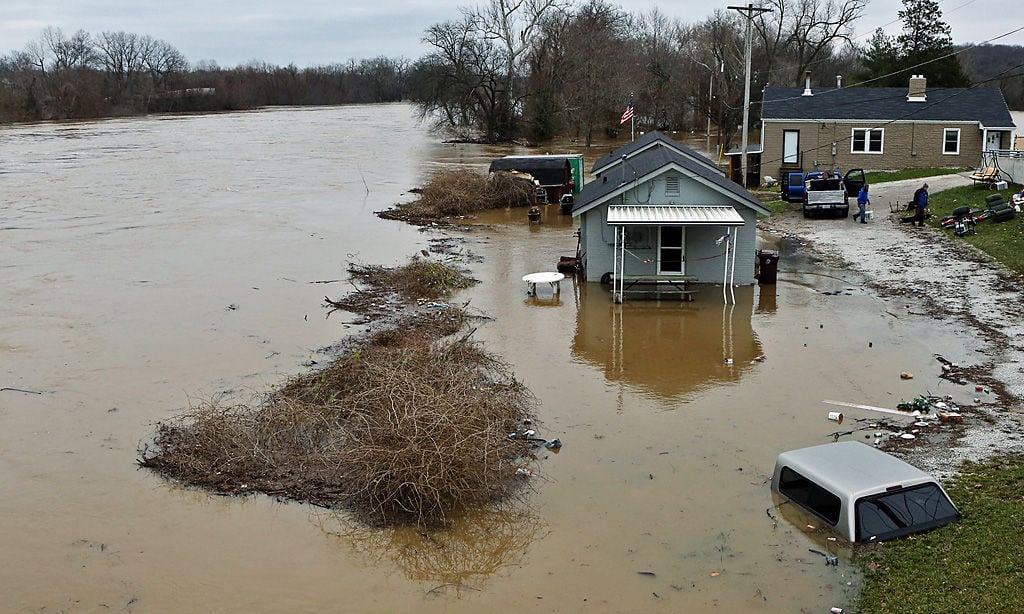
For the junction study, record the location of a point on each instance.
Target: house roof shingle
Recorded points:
(645, 141)
(651, 160)
(979, 104)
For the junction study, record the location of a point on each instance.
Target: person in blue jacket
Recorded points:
(862, 204)
(920, 203)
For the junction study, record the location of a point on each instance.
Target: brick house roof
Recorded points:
(985, 105)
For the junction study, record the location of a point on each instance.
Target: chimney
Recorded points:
(839, 82)
(807, 84)
(917, 89)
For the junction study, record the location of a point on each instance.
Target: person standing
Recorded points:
(920, 202)
(862, 204)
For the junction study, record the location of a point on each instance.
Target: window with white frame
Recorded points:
(951, 141)
(867, 140)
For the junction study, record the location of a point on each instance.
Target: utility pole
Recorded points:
(748, 12)
(711, 98)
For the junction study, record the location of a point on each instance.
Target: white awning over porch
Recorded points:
(684, 215)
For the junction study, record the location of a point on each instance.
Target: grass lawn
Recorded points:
(1000, 240)
(910, 173)
(973, 566)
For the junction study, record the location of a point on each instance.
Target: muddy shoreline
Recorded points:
(951, 283)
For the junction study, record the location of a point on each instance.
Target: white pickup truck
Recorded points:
(830, 192)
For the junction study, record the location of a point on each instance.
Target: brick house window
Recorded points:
(867, 140)
(951, 141)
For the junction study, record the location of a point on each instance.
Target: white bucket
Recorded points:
(869, 214)
(836, 416)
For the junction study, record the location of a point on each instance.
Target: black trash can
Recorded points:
(768, 265)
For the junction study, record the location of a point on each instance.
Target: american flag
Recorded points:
(627, 114)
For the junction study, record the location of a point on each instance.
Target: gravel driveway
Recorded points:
(954, 283)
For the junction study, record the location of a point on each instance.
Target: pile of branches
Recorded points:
(381, 291)
(457, 193)
(407, 426)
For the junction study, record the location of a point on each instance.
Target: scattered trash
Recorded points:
(836, 611)
(906, 436)
(554, 444)
(836, 416)
(760, 358)
(951, 417)
(714, 574)
(649, 574)
(978, 388)
(728, 361)
(524, 473)
(872, 408)
(906, 375)
(919, 404)
(530, 433)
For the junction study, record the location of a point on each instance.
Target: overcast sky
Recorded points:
(316, 32)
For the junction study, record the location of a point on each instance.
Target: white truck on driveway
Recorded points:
(830, 192)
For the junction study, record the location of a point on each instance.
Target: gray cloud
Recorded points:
(322, 32)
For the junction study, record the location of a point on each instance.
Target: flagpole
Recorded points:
(632, 129)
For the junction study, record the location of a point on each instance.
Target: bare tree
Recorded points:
(596, 85)
(69, 53)
(161, 60)
(121, 55)
(800, 33)
(659, 73)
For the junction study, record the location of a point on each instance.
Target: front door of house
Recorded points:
(790, 146)
(993, 140)
(671, 248)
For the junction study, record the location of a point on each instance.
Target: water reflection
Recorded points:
(463, 557)
(668, 347)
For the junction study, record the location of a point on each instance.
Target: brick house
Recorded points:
(881, 128)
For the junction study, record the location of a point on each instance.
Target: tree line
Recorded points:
(82, 76)
(533, 69)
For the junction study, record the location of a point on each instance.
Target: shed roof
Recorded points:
(984, 105)
(547, 170)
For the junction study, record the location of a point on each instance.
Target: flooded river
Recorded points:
(153, 263)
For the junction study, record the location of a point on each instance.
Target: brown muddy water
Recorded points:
(152, 263)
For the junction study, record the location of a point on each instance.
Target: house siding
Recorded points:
(704, 258)
(905, 145)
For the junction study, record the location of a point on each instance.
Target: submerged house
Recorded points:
(657, 211)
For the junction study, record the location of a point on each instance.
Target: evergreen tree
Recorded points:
(925, 38)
